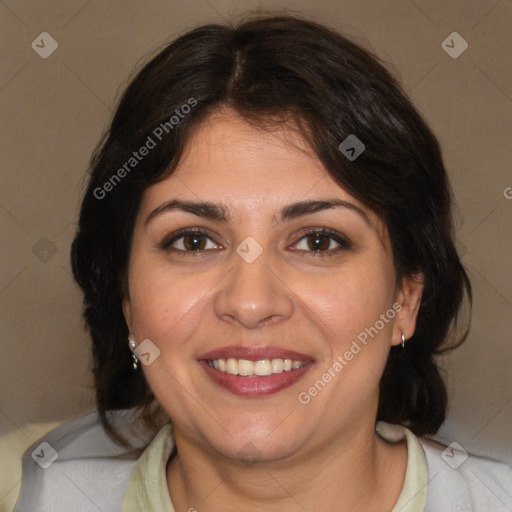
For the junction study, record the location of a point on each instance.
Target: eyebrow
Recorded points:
(218, 212)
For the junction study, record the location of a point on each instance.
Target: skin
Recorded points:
(321, 456)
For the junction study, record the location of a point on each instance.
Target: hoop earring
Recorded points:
(403, 340)
(133, 344)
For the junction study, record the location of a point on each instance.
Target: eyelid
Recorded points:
(180, 233)
(343, 241)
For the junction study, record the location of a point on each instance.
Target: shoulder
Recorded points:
(459, 481)
(75, 467)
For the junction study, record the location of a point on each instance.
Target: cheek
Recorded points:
(167, 308)
(165, 304)
(348, 301)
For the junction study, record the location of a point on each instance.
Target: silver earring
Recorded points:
(133, 344)
(403, 340)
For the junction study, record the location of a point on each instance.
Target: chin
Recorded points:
(250, 447)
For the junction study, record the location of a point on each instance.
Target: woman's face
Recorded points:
(250, 251)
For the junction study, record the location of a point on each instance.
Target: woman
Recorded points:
(266, 253)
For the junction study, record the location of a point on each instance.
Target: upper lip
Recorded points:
(254, 354)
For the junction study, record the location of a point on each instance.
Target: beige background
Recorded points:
(53, 111)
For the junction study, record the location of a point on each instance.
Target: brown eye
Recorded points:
(322, 242)
(318, 242)
(191, 241)
(194, 242)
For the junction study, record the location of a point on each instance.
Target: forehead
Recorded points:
(228, 149)
(249, 169)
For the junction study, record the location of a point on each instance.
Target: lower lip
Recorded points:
(255, 386)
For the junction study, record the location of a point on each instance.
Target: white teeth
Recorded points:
(277, 366)
(245, 367)
(261, 368)
(232, 366)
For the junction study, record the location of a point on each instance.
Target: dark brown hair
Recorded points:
(277, 68)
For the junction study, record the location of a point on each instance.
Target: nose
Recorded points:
(252, 295)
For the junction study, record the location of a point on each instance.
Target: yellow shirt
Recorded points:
(147, 486)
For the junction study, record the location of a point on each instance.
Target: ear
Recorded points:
(409, 299)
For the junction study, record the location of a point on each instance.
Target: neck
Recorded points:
(358, 471)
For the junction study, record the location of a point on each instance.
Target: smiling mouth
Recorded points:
(255, 379)
(254, 372)
(260, 368)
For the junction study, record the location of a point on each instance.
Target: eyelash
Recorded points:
(343, 242)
